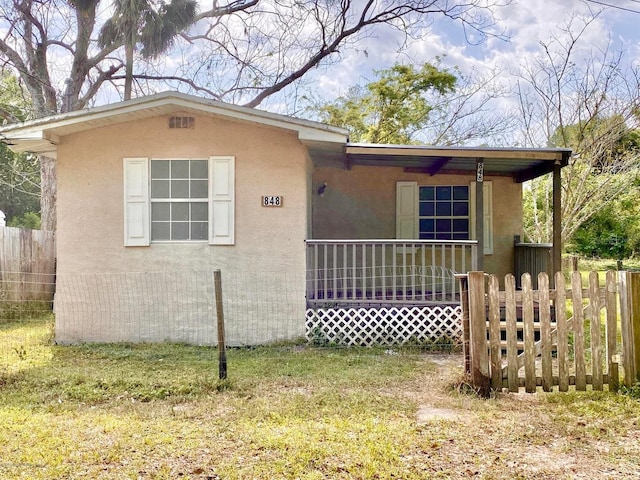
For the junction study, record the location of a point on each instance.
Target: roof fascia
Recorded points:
(460, 152)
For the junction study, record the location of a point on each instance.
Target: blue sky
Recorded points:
(527, 22)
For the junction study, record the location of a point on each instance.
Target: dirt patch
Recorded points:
(521, 435)
(430, 414)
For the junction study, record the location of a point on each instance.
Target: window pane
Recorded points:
(443, 236)
(199, 211)
(199, 188)
(199, 169)
(460, 209)
(160, 189)
(179, 188)
(179, 169)
(160, 211)
(427, 193)
(180, 212)
(427, 209)
(427, 236)
(199, 230)
(159, 168)
(460, 236)
(461, 193)
(427, 225)
(443, 193)
(443, 209)
(443, 225)
(160, 231)
(461, 225)
(180, 231)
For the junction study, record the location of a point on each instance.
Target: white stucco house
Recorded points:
(172, 184)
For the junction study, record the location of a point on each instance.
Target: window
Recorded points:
(444, 213)
(179, 200)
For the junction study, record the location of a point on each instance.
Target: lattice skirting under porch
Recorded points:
(426, 325)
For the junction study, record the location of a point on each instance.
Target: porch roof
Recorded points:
(521, 164)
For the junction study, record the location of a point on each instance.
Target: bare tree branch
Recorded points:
(588, 106)
(239, 51)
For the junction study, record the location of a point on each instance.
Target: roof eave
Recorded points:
(20, 136)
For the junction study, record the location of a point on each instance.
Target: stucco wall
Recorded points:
(360, 203)
(268, 241)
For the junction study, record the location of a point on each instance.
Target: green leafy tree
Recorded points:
(428, 105)
(19, 173)
(19, 183)
(391, 109)
(613, 232)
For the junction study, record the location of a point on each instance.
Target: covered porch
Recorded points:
(376, 239)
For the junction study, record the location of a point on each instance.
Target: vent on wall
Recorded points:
(181, 122)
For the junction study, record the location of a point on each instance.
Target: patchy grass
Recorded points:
(159, 412)
(600, 265)
(604, 264)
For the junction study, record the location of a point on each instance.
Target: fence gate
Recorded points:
(569, 335)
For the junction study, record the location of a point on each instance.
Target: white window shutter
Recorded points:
(407, 210)
(222, 200)
(487, 199)
(136, 202)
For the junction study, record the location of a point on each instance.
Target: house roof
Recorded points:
(43, 135)
(327, 145)
(521, 164)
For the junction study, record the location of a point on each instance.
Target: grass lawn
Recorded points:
(158, 411)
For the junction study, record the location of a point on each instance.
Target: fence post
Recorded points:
(464, 305)
(478, 334)
(222, 354)
(630, 315)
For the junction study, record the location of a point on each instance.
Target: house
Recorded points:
(157, 192)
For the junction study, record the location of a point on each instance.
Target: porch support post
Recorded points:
(480, 212)
(557, 219)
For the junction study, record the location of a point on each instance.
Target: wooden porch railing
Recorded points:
(369, 272)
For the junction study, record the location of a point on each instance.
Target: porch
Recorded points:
(390, 292)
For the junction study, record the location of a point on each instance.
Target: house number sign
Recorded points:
(272, 201)
(479, 171)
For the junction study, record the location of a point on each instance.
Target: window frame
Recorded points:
(184, 200)
(451, 216)
(220, 201)
(407, 211)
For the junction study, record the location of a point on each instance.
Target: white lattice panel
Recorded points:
(384, 326)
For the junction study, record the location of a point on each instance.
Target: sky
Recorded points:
(526, 23)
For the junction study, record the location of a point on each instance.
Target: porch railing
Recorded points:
(402, 272)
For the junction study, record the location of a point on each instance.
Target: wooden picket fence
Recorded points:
(525, 338)
(27, 265)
